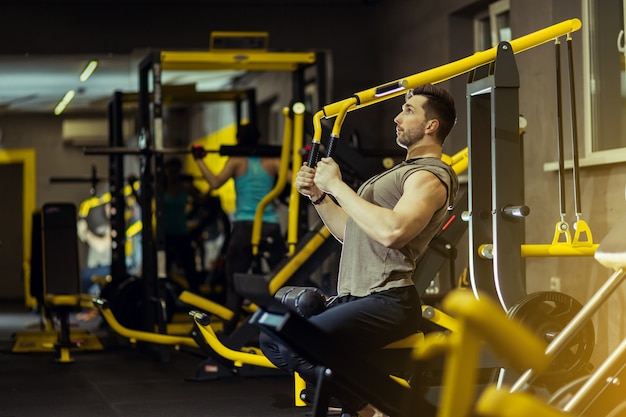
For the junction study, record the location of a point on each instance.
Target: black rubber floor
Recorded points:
(126, 381)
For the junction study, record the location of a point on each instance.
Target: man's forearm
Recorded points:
(333, 216)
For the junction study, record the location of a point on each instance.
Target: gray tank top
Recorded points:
(367, 266)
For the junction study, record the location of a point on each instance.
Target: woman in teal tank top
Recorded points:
(254, 178)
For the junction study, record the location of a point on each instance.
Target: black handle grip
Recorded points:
(332, 145)
(313, 154)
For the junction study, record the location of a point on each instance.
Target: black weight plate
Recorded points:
(547, 313)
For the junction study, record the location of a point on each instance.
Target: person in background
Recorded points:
(98, 264)
(254, 178)
(384, 227)
(179, 194)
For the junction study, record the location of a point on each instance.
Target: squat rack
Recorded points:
(150, 101)
(117, 151)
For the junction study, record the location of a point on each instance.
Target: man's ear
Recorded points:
(431, 126)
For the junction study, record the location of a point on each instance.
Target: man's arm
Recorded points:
(423, 195)
(333, 216)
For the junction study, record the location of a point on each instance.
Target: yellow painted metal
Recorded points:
(137, 335)
(237, 357)
(460, 372)
(452, 69)
(285, 152)
(507, 338)
(296, 162)
(64, 356)
(563, 244)
(440, 318)
(206, 305)
(235, 60)
(582, 234)
(298, 386)
(460, 161)
(480, 320)
(559, 249)
(26, 157)
(298, 259)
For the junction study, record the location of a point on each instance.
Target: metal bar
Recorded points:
(116, 188)
(605, 375)
(234, 60)
(559, 249)
(559, 125)
(296, 217)
(575, 166)
(455, 68)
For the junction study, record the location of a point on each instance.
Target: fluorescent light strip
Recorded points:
(89, 69)
(60, 108)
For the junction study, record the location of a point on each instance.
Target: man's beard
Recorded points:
(409, 138)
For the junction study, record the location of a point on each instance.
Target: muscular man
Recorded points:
(384, 227)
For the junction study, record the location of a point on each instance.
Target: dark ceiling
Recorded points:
(52, 40)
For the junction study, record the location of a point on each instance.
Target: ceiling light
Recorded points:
(64, 102)
(88, 70)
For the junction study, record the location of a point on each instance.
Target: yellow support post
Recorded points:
(296, 162)
(278, 187)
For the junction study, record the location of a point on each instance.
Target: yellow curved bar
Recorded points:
(86, 205)
(434, 344)
(296, 261)
(278, 187)
(296, 161)
(341, 116)
(440, 318)
(317, 126)
(138, 335)
(502, 403)
(559, 249)
(507, 338)
(205, 304)
(93, 202)
(453, 69)
(239, 358)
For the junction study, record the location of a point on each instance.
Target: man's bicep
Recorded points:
(423, 194)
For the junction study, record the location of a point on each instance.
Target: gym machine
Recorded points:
(493, 212)
(150, 101)
(116, 152)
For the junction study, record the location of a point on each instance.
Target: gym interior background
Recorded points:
(368, 42)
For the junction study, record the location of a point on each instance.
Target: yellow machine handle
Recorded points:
(138, 335)
(447, 71)
(237, 357)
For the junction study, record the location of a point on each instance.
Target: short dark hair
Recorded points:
(248, 135)
(439, 105)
